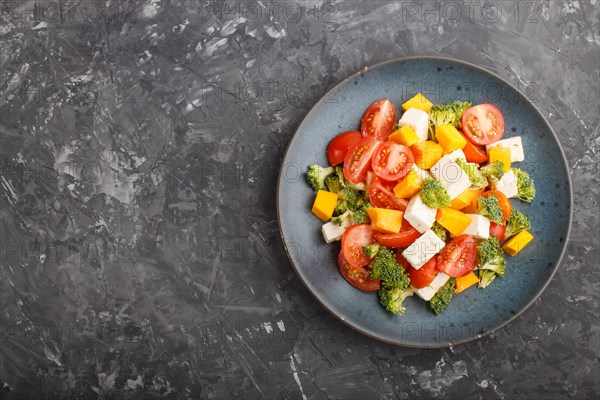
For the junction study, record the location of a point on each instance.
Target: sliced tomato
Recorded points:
(358, 160)
(357, 276)
(379, 119)
(459, 257)
(339, 146)
(503, 201)
(421, 277)
(392, 161)
(483, 124)
(403, 239)
(382, 196)
(353, 241)
(474, 153)
(497, 230)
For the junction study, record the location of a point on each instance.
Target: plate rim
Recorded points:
(485, 71)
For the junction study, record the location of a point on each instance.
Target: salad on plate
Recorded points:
(422, 205)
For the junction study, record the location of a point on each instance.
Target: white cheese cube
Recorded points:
(508, 184)
(332, 232)
(479, 227)
(428, 292)
(514, 144)
(418, 120)
(423, 249)
(419, 215)
(452, 176)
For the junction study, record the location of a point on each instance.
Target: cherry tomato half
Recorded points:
(503, 201)
(358, 160)
(474, 153)
(392, 161)
(402, 239)
(357, 276)
(353, 241)
(497, 230)
(421, 277)
(382, 196)
(379, 119)
(459, 257)
(339, 146)
(483, 124)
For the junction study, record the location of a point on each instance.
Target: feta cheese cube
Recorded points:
(332, 232)
(479, 227)
(516, 148)
(452, 176)
(429, 291)
(418, 120)
(423, 249)
(508, 184)
(419, 215)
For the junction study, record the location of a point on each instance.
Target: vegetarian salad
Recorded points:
(421, 204)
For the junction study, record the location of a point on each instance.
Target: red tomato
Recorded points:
(392, 161)
(381, 195)
(403, 239)
(483, 124)
(459, 257)
(339, 146)
(353, 241)
(474, 153)
(497, 230)
(504, 203)
(421, 277)
(379, 119)
(358, 160)
(357, 276)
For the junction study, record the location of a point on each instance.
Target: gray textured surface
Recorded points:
(140, 144)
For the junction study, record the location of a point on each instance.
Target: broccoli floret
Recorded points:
(392, 298)
(516, 223)
(442, 298)
(339, 220)
(490, 208)
(490, 258)
(315, 176)
(371, 249)
(446, 114)
(333, 183)
(434, 195)
(478, 180)
(493, 171)
(341, 207)
(360, 214)
(439, 230)
(385, 267)
(525, 185)
(349, 199)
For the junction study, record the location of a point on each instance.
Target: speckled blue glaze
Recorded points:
(475, 312)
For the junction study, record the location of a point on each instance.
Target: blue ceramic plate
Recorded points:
(475, 312)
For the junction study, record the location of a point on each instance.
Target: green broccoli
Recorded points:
(315, 176)
(446, 114)
(439, 230)
(516, 223)
(349, 199)
(371, 249)
(490, 208)
(434, 195)
(478, 180)
(360, 215)
(442, 298)
(493, 171)
(333, 184)
(490, 258)
(385, 267)
(525, 185)
(339, 220)
(392, 298)
(341, 207)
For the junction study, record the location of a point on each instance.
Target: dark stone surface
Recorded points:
(140, 145)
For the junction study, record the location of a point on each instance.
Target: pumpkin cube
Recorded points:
(463, 282)
(426, 153)
(516, 243)
(450, 138)
(409, 186)
(500, 153)
(453, 220)
(405, 136)
(384, 220)
(418, 101)
(324, 204)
